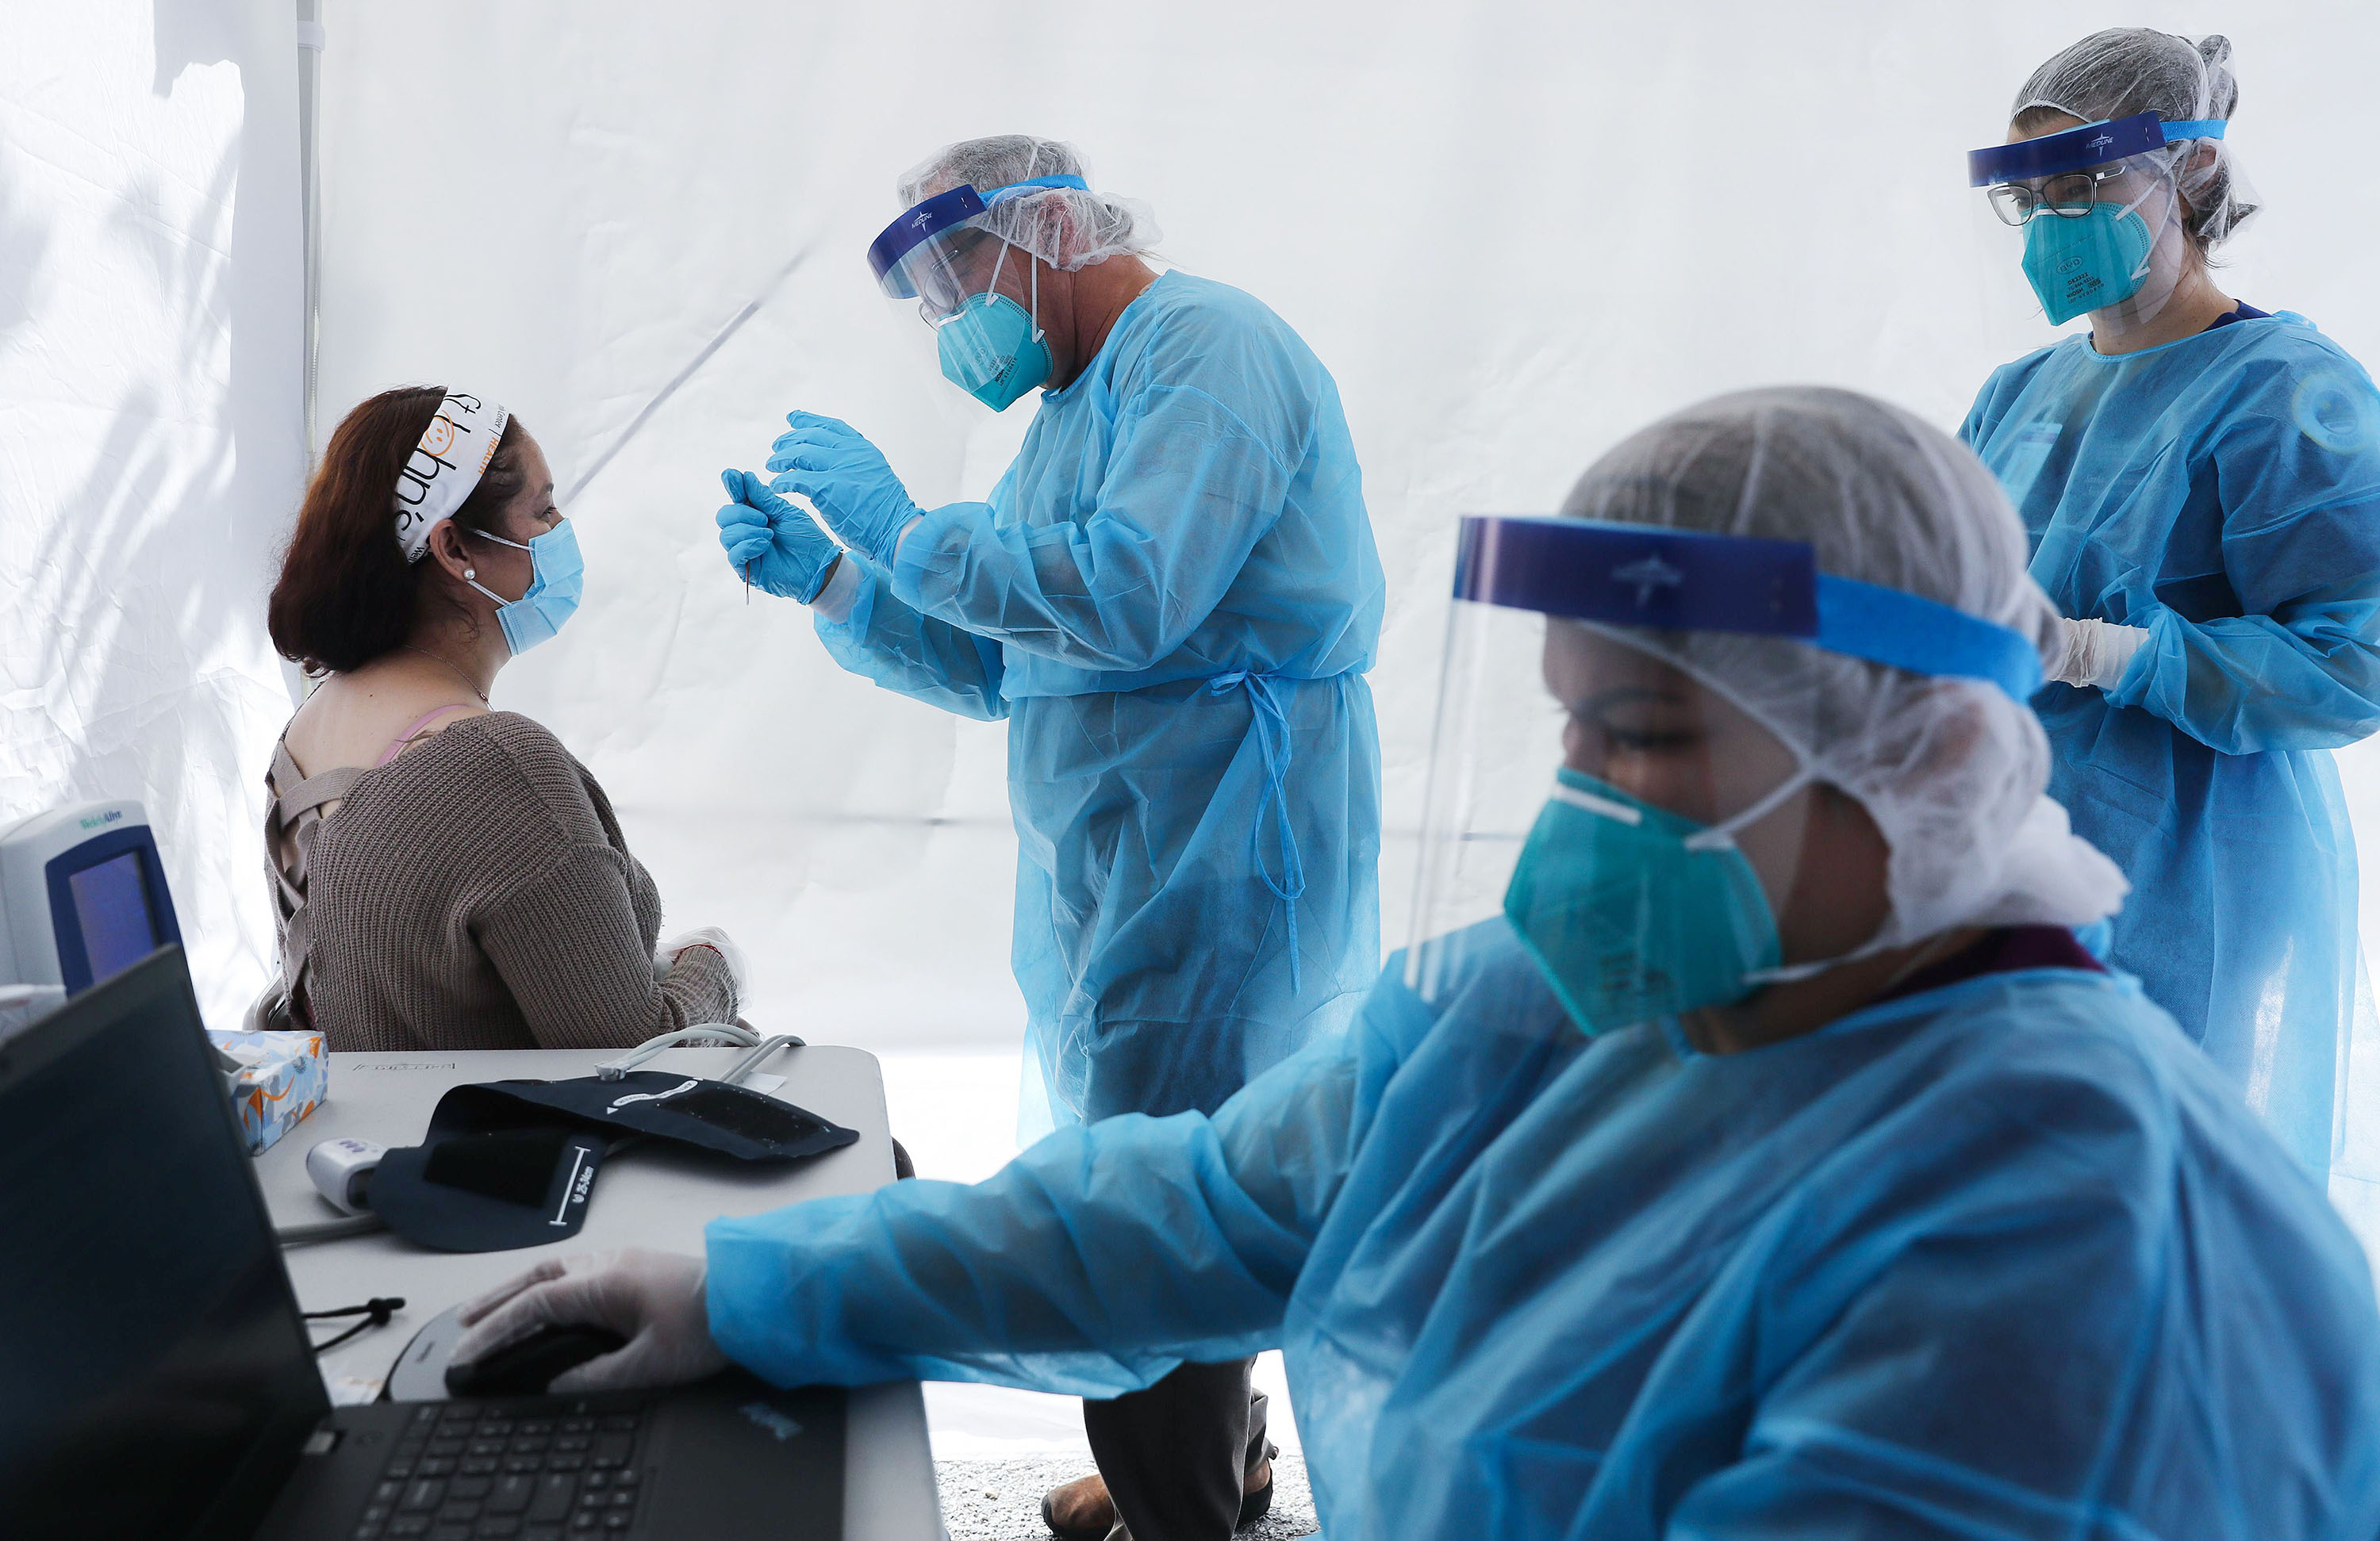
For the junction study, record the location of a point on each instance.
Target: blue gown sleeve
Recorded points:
(1188, 490)
(885, 641)
(1090, 1266)
(1971, 431)
(2299, 669)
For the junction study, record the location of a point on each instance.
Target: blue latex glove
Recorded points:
(772, 543)
(830, 463)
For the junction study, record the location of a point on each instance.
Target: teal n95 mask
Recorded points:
(557, 577)
(992, 347)
(1634, 913)
(2088, 264)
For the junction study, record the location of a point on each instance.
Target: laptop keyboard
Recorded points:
(547, 1471)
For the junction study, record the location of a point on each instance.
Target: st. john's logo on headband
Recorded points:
(452, 454)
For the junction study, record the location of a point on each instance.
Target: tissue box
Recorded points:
(282, 1077)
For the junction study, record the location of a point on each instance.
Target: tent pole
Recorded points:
(310, 195)
(310, 171)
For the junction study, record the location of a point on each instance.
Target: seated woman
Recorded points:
(447, 876)
(1748, 1149)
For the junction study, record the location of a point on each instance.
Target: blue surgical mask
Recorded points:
(991, 347)
(2079, 265)
(1635, 914)
(557, 575)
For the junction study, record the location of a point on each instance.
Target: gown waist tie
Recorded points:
(1272, 737)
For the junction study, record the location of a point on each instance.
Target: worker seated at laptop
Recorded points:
(447, 876)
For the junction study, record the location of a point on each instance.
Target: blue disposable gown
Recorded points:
(1173, 597)
(2007, 1258)
(2224, 492)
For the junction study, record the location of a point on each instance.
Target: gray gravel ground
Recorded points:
(1001, 1501)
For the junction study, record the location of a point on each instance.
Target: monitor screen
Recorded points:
(113, 912)
(158, 1380)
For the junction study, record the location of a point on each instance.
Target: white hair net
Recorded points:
(1065, 227)
(2128, 70)
(1952, 769)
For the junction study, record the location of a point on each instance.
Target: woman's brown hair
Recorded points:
(346, 595)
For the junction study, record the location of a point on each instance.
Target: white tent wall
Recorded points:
(151, 440)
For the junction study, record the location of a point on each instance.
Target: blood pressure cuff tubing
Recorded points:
(512, 1163)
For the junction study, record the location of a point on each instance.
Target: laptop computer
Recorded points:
(157, 1381)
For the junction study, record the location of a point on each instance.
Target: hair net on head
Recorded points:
(2128, 70)
(1953, 770)
(1067, 227)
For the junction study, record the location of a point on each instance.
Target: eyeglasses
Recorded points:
(950, 272)
(2068, 195)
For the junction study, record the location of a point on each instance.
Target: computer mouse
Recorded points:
(525, 1368)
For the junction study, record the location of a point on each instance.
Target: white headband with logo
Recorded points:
(452, 455)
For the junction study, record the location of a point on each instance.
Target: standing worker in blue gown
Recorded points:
(2201, 484)
(1745, 1151)
(1172, 596)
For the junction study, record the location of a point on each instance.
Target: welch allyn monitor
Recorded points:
(82, 896)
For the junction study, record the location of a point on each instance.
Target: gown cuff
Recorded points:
(919, 555)
(2134, 686)
(849, 598)
(834, 602)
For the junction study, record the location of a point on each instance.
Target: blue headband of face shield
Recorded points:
(937, 214)
(2093, 144)
(1685, 580)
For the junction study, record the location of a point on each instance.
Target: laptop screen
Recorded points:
(159, 1380)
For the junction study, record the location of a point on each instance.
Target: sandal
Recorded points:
(1078, 1533)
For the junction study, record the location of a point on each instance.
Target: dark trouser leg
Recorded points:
(1174, 1456)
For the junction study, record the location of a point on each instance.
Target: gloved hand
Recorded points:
(787, 553)
(830, 463)
(705, 936)
(2097, 652)
(652, 1299)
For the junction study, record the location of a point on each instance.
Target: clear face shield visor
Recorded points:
(2100, 212)
(1626, 778)
(979, 294)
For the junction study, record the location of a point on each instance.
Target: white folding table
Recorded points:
(651, 1195)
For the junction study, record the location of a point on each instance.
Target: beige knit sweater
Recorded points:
(475, 894)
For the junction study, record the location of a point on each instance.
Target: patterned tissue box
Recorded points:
(282, 1077)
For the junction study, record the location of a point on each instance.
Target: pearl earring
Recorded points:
(470, 573)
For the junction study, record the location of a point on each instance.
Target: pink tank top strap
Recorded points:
(404, 739)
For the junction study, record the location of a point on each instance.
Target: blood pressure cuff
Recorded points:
(512, 1163)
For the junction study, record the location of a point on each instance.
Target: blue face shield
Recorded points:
(990, 346)
(2083, 254)
(1637, 887)
(557, 575)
